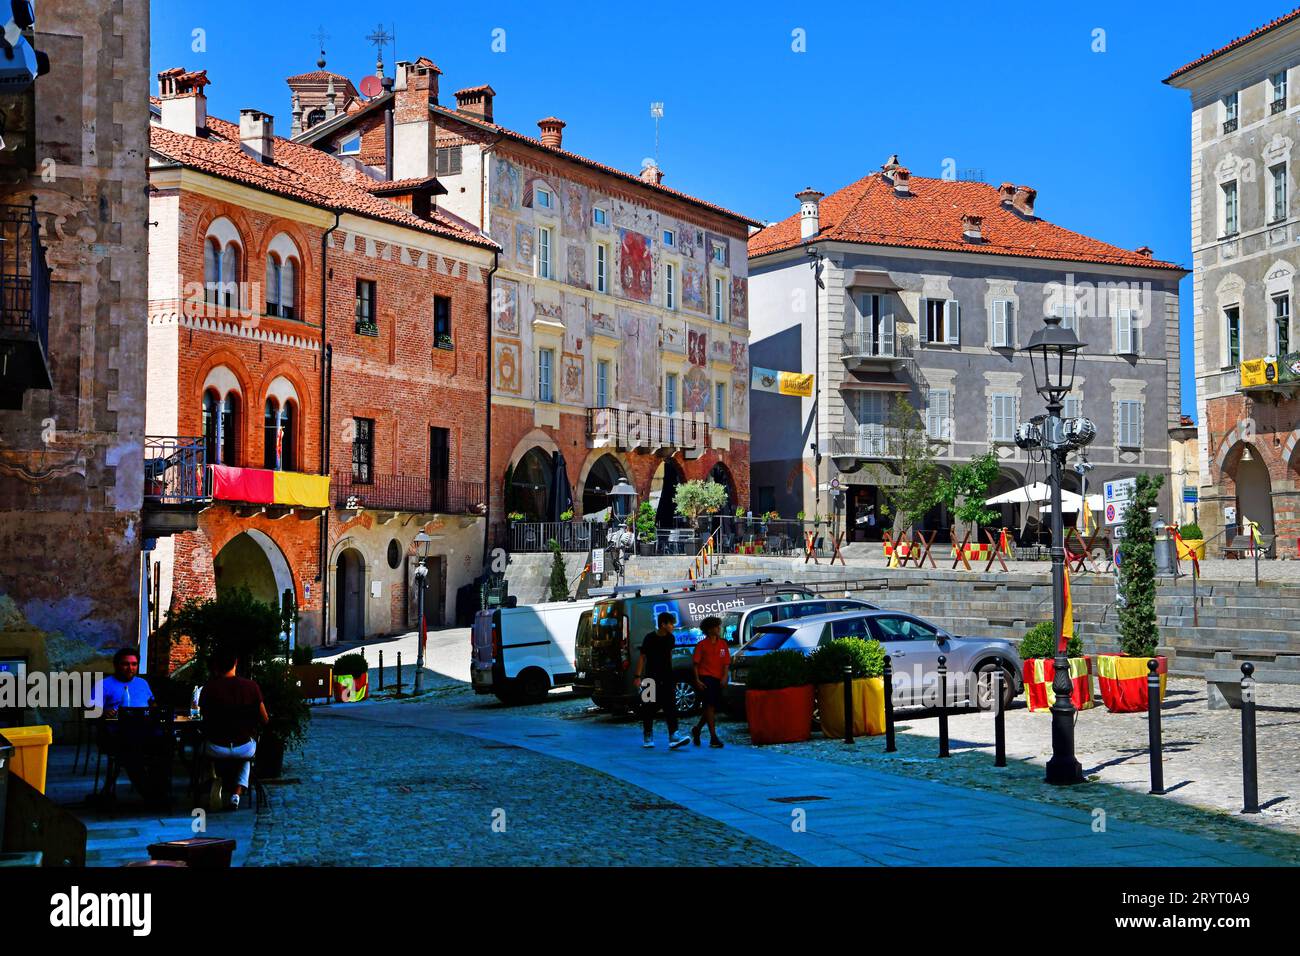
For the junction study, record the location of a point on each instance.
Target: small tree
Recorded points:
(234, 619)
(915, 488)
(694, 498)
(645, 522)
(965, 490)
(559, 583)
(1138, 633)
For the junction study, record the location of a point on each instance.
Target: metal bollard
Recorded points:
(1249, 769)
(999, 722)
(1153, 727)
(943, 706)
(381, 670)
(848, 704)
(399, 673)
(889, 706)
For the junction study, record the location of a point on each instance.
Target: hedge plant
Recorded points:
(1191, 531)
(866, 658)
(778, 670)
(1138, 632)
(351, 665)
(1040, 641)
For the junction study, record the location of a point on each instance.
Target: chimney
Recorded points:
(1023, 201)
(552, 131)
(1146, 251)
(902, 181)
(651, 173)
(1006, 193)
(891, 164)
(184, 104)
(414, 132)
(809, 216)
(256, 134)
(419, 82)
(972, 228)
(476, 101)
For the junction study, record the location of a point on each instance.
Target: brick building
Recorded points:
(72, 337)
(620, 336)
(324, 334)
(1246, 258)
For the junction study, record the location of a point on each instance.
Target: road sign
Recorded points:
(1118, 496)
(1191, 496)
(1118, 532)
(835, 484)
(597, 560)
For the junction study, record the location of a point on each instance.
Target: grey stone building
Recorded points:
(1245, 252)
(927, 289)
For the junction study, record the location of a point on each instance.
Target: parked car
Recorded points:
(738, 626)
(914, 646)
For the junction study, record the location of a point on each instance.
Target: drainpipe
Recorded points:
(388, 129)
(487, 418)
(816, 262)
(325, 362)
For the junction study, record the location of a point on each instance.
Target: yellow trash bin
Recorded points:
(31, 753)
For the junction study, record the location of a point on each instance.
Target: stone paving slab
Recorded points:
(705, 782)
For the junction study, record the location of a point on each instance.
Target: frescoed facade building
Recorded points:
(927, 289)
(619, 344)
(1246, 257)
(323, 334)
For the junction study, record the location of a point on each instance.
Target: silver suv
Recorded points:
(914, 646)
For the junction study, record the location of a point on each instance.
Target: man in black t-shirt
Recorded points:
(232, 710)
(655, 683)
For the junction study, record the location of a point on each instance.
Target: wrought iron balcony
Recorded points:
(409, 493)
(1229, 126)
(24, 306)
(869, 348)
(630, 430)
(874, 441)
(1277, 106)
(175, 484)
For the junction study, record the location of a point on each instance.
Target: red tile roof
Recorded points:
(870, 212)
(298, 172)
(322, 75)
(1271, 25)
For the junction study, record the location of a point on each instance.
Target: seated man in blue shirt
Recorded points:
(126, 688)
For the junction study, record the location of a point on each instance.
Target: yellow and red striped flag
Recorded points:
(1067, 617)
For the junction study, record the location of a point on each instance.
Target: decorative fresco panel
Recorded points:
(509, 376)
(571, 371)
(740, 357)
(551, 311)
(576, 253)
(577, 210)
(739, 300)
(690, 242)
(505, 185)
(505, 306)
(697, 348)
(720, 349)
(575, 323)
(635, 265)
(638, 372)
(503, 234)
(603, 322)
(718, 250)
(740, 403)
(695, 390)
(694, 284)
(637, 218)
(524, 244)
(672, 335)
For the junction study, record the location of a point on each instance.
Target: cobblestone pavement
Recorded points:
(366, 793)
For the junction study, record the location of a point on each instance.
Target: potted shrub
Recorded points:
(779, 698)
(350, 678)
(1123, 676)
(645, 529)
(826, 670)
(1038, 652)
(1192, 543)
(289, 715)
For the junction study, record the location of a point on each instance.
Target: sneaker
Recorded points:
(647, 741)
(233, 802)
(716, 742)
(695, 735)
(681, 740)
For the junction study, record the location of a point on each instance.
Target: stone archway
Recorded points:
(663, 486)
(528, 488)
(1249, 473)
(722, 475)
(601, 474)
(252, 560)
(350, 596)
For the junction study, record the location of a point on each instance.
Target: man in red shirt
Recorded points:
(712, 661)
(232, 710)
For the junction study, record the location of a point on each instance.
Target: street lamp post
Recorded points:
(1053, 352)
(422, 544)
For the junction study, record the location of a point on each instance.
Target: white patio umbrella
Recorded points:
(1094, 502)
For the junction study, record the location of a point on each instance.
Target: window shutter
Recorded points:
(1124, 331)
(1009, 315)
(923, 322)
(887, 329)
(952, 322)
(999, 323)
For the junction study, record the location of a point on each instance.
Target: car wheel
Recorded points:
(688, 701)
(534, 685)
(984, 685)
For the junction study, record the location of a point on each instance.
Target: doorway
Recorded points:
(349, 590)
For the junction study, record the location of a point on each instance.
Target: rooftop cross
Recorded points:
(379, 38)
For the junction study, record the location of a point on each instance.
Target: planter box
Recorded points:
(1038, 674)
(868, 707)
(349, 688)
(1123, 682)
(780, 716)
(1191, 546)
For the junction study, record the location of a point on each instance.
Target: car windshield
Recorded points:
(770, 638)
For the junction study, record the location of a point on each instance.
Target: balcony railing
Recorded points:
(411, 493)
(628, 429)
(570, 535)
(1277, 106)
(1229, 126)
(869, 343)
(174, 470)
(24, 302)
(873, 442)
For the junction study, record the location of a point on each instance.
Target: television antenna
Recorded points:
(657, 111)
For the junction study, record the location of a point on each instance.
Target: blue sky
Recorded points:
(1013, 91)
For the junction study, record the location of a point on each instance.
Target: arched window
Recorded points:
(211, 269)
(228, 288)
(282, 278)
(288, 435)
(211, 422)
(278, 432)
(228, 430)
(315, 116)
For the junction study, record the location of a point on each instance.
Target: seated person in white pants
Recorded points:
(232, 709)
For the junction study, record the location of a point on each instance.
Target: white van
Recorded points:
(520, 653)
